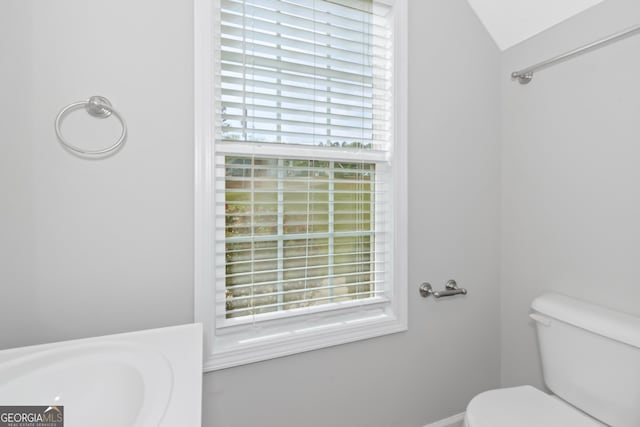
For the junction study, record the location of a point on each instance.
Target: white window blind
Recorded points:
(299, 233)
(295, 232)
(307, 231)
(309, 72)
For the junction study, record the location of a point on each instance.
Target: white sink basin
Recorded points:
(143, 379)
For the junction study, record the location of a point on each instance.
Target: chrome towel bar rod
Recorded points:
(451, 289)
(525, 75)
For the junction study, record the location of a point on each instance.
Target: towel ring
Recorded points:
(96, 106)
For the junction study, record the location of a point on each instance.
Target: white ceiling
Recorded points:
(511, 21)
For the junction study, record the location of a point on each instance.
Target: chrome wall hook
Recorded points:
(451, 287)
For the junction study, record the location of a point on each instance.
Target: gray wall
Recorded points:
(570, 194)
(449, 353)
(98, 247)
(95, 247)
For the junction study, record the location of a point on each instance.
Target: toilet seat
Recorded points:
(523, 406)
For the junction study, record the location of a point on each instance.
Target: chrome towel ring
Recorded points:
(96, 106)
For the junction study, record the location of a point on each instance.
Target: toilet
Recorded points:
(591, 363)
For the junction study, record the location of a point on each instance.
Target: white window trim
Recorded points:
(290, 335)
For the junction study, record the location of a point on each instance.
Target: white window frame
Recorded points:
(327, 326)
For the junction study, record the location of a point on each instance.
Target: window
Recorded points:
(300, 174)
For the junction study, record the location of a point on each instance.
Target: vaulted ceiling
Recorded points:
(511, 21)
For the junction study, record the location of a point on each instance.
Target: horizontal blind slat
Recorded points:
(249, 71)
(311, 278)
(295, 57)
(291, 25)
(311, 300)
(297, 236)
(304, 34)
(252, 97)
(252, 286)
(302, 291)
(359, 95)
(305, 137)
(289, 270)
(360, 54)
(253, 109)
(310, 257)
(286, 17)
(316, 11)
(310, 70)
(307, 123)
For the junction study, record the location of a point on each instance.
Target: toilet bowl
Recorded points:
(591, 363)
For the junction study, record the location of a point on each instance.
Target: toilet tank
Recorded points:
(590, 357)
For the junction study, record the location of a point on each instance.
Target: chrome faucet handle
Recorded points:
(451, 286)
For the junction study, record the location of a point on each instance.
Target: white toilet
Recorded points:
(590, 361)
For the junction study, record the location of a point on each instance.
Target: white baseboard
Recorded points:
(454, 421)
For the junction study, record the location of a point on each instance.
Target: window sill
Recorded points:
(259, 344)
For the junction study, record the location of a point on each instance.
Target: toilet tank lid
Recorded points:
(594, 318)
